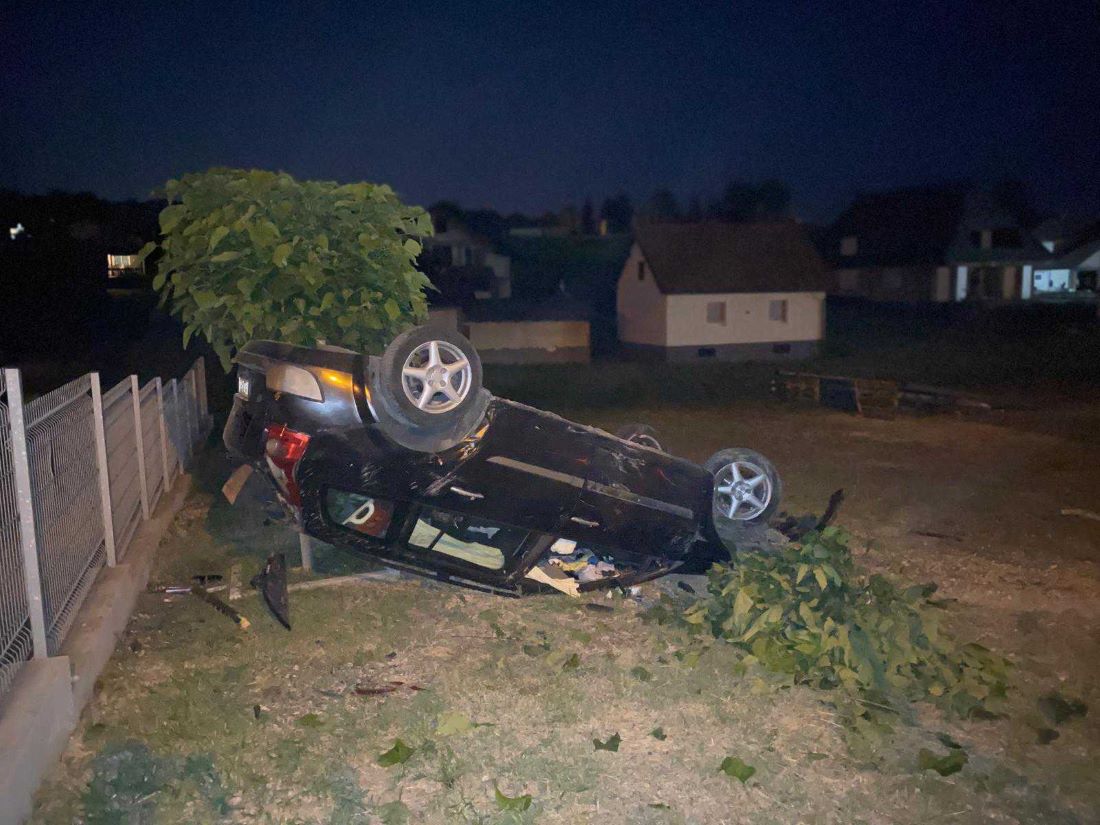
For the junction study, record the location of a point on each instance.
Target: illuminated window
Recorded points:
(716, 312)
(777, 311)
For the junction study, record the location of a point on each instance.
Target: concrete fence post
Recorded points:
(179, 423)
(104, 474)
(163, 434)
(28, 540)
(139, 442)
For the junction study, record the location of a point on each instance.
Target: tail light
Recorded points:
(284, 449)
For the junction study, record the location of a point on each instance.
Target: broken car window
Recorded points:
(361, 514)
(471, 539)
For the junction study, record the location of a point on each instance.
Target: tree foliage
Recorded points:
(254, 254)
(809, 612)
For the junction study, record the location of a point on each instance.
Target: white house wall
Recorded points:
(748, 319)
(641, 306)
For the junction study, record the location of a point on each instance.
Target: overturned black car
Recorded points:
(405, 457)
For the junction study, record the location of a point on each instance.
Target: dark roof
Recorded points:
(927, 225)
(904, 227)
(731, 257)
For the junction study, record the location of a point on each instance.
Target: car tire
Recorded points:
(642, 434)
(743, 473)
(420, 380)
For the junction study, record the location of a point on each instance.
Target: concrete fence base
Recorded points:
(44, 703)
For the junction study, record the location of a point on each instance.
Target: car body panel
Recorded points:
(522, 469)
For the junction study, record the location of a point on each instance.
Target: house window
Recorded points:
(777, 311)
(716, 312)
(849, 245)
(641, 270)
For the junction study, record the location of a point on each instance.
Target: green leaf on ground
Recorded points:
(1058, 708)
(943, 765)
(452, 722)
(947, 741)
(511, 803)
(394, 813)
(572, 663)
(658, 734)
(310, 720)
(611, 744)
(732, 766)
(814, 756)
(536, 650)
(660, 806)
(398, 754)
(641, 674)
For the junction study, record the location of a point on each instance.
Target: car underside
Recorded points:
(405, 458)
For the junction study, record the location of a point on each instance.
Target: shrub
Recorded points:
(809, 612)
(254, 254)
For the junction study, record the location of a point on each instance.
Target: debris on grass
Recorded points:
(511, 803)
(658, 734)
(363, 689)
(394, 813)
(1046, 735)
(310, 720)
(1059, 709)
(943, 765)
(397, 755)
(809, 612)
(735, 768)
(641, 674)
(610, 744)
(453, 722)
(572, 663)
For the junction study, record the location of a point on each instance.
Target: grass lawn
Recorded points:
(197, 721)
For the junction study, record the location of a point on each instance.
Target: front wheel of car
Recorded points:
(747, 488)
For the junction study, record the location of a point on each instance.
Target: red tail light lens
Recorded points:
(284, 449)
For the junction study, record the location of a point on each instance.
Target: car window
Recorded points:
(475, 540)
(358, 513)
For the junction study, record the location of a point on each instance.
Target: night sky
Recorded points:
(525, 106)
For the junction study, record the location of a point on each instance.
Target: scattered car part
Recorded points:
(385, 688)
(639, 434)
(407, 459)
(1077, 511)
(870, 397)
(232, 488)
(271, 582)
(220, 606)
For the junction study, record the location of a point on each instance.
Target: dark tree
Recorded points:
(773, 198)
(695, 209)
(663, 206)
(588, 218)
(1016, 197)
(618, 212)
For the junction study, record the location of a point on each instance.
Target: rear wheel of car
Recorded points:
(639, 434)
(427, 388)
(747, 488)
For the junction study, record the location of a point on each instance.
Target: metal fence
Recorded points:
(80, 469)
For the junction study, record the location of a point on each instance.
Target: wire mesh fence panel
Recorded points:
(65, 488)
(122, 463)
(150, 441)
(15, 632)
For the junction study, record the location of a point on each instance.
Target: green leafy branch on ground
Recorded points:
(808, 611)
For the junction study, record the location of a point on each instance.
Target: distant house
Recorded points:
(520, 332)
(459, 258)
(943, 244)
(725, 291)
